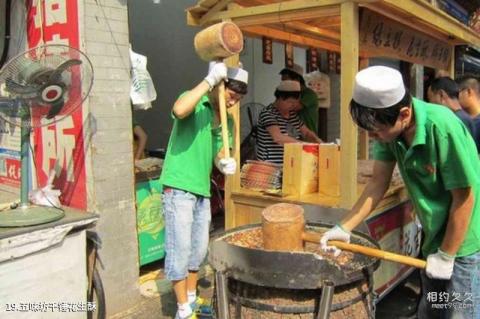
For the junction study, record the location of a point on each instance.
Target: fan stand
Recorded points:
(27, 214)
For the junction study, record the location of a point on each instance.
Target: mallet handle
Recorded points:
(368, 251)
(223, 118)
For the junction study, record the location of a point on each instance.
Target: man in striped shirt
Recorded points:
(278, 124)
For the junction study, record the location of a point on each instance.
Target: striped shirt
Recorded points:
(267, 149)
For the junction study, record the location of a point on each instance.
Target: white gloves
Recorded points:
(217, 71)
(440, 265)
(227, 166)
(336, 233)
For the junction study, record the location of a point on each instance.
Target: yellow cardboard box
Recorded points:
(329, 169)
(300, 168)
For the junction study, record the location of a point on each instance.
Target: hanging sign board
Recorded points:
(380, 36)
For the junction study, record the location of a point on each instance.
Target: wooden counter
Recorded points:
(248, 204)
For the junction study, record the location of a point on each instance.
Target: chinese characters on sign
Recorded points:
(380, 36)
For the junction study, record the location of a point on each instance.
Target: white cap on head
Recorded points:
(289, 86)
(295, 68)
(237, 74)
(378, 87)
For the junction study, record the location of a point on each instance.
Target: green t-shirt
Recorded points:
(309, 111)
(191, 150)
(442, 157)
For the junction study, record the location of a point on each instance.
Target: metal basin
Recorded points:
(293, 270)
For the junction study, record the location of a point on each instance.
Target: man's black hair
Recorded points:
(469, 81)
(447, 84)
(294, 76)
(285, 95)
(236, 86)
(369, 118)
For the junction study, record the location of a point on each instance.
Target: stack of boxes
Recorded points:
(311, 168)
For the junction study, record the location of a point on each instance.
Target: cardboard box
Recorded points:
(300, 168)
(329, 169)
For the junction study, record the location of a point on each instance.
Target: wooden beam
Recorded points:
(283, 17)
(222, 4)
(322, 32)
(274, 9)
(326, 22)
(436, 18)
(296, 39)
(348, 131)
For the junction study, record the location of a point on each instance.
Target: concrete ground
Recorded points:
(158, 301)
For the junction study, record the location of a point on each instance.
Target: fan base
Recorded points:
(29, 215)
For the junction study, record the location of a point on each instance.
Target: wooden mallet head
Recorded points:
(282, 227)
(218, 41)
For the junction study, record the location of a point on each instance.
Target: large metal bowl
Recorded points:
(291, 270)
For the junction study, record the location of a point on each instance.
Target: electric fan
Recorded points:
(37, 88)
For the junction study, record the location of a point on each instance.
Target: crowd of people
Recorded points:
(436, 149)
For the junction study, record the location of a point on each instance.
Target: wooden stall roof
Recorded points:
(316, 23)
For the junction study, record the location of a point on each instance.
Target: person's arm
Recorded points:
(440, 264)
(142, 141)
(278, 137)
(371, 196)
(458, 220)
(185, 104)
(309, 135)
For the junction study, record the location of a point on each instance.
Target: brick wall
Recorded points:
(110, 176)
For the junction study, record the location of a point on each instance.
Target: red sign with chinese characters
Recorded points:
(59, 146)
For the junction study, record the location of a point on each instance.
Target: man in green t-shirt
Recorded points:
(308, 107)
(437, 158)
(195, 144)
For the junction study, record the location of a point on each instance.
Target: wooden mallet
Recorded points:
(218, 42)
(283, 227)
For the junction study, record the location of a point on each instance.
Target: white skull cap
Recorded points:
(237, 74)
(289, 86)
(378, 87)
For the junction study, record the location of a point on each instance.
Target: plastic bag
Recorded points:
(142, 90)
(46, 196)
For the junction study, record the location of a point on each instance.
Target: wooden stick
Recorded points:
(368, 251)
(223, 118)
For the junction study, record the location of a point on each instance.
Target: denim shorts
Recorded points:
(187, 224)
(457, 298)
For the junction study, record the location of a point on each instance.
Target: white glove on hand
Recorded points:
(217, 71)
(227, 166)
(440, 265)
(336, 233)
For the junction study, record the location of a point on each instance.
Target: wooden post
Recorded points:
(452, 64)
(363, 140)
(348, 131)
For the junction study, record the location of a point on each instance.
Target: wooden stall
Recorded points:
(408, 30)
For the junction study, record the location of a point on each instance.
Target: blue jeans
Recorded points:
(457, 298)
(187, 225)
